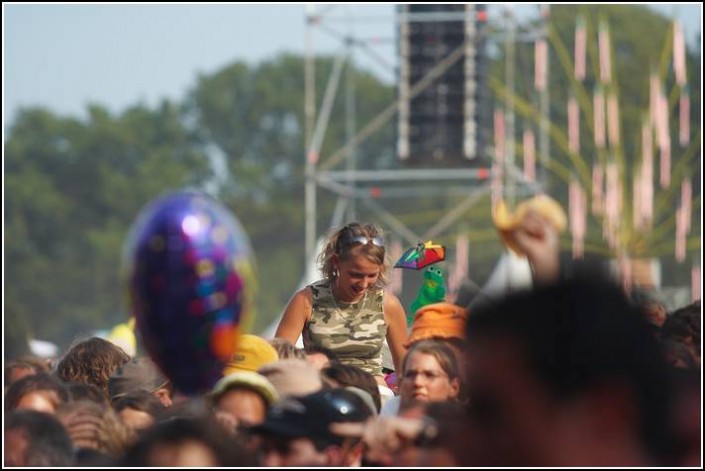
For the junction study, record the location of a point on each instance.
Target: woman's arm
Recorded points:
(295, 316)
(396, 328)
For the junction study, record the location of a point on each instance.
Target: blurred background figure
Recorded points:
(99, 437)
(338, 375)
(566, 375)
(141, 374)
(41, 392)
(292, 377)
(286, 349)
(252, 353)
(186, 442)
(91, 361)
(138, 410)
(297, 431)
(241, 399)
(34, 439)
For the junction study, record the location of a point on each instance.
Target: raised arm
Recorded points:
(396, 328)
(297, 312)
(539, 240)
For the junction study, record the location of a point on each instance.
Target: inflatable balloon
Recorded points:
(190, 281)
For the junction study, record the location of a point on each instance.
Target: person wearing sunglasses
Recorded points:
(348, 311)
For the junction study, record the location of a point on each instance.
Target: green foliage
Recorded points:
(74, 187)
(72, 191)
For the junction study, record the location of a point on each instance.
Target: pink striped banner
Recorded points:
(577, 207)
(686, 203)
(497, 185)
(597, 193)
(647, 188)
(573, 125)
(540, 51)
(684, 115)
(580, 47)
(695, 283)
(679, 53)
(613, 119)
(599, 106)
(529, 155)
(654, 98)
(680, 235)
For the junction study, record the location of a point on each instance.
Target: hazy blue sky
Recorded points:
(64, 56)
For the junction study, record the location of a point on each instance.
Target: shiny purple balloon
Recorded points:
(190, 275)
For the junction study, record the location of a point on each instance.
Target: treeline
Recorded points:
(74, 186)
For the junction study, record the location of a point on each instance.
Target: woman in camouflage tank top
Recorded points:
(348, 311)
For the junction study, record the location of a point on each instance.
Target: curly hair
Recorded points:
(92, 361)
(93, 426)
(339, 243)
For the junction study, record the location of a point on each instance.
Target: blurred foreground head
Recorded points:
(566, 375)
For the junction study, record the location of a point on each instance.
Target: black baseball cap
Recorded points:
(311, 416)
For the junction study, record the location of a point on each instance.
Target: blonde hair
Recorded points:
(337, 244)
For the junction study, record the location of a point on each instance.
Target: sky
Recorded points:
(65, 56)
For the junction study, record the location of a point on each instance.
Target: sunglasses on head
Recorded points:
(351, 240)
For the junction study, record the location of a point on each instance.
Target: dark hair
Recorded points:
(140, 400)
(675, 353)
(28, 384)
(578, 333)
(26, 362)
(48, 443)
(85, 391)
(92, 361)
(227, 450)
(332, 356)
(685, 322)
(348, 375)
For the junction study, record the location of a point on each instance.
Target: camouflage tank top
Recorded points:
(355, 332)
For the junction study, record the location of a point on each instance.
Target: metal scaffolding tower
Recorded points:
(340, 172)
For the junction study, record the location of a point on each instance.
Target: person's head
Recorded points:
(92, 361)
(566, 375)
(26, 365)
(85, 391)
(34, 439)
(41, 392)
(320, 356)
(292, 377)
(286, 349)
(252, 352)
(140, 374)
(95, 427)
(296, 431)
(685, 325)
(138, 409)
(185, 442)
(648, 302)
(353, 260)
(429, 373)
(677, 354)
(245, 396)
(338, 375)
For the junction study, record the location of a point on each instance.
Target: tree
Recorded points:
(73, 190)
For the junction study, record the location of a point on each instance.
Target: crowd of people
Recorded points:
(572, 372)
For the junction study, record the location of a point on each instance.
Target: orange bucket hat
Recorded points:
(438, 320)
